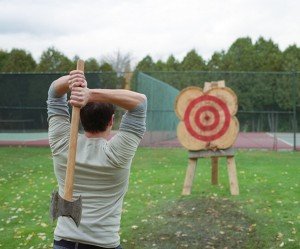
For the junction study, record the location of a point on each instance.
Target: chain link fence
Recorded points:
(268, 102)
(23, 98)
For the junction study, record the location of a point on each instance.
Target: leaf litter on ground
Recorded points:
(207, 222)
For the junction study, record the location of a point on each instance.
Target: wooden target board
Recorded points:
(207, 118)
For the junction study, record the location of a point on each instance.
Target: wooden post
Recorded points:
(189, 177)
(213, 84)
(214, 170)
(128, 76)
(214, 157)
(234, 186)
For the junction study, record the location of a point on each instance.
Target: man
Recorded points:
(102, 166)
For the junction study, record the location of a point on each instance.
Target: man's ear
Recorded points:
(111, 122)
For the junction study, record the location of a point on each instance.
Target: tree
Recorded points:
(192, 62)
(216, 61)
(119, 62)
(18, 60)
(268, 56)
(159, 65)
(285, 89)
(146, 64)
(106, 67)
(108, 77)
(54, 61)
(91, 64)
(291, 58)
(171, 64)
(239, 56)
(3, 58)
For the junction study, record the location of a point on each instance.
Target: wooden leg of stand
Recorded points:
(189, 177)
(234, 186)
(214, 170)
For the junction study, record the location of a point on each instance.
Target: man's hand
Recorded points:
(77, 79)
(79, 92)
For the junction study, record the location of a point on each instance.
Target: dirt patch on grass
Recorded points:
(197, 223)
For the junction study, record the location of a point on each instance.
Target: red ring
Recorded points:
(190, 129)
(215, 114)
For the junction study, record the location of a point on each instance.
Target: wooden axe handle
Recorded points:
(69, 180)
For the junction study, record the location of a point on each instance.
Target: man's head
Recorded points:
(97, 117)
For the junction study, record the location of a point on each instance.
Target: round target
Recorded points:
(207, 118)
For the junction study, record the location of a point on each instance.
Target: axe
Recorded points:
(65, 206)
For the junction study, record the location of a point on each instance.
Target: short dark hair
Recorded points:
(95, 117)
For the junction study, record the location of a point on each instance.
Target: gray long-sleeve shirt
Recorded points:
(101, 173)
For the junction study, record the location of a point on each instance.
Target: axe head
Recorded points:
(61, 207)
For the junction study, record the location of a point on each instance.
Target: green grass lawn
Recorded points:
(266, 214)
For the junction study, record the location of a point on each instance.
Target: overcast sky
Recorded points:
(96, 28)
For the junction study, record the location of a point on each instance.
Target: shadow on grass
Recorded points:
(198, 223)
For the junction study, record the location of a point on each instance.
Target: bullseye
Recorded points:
(204, 110)
(207, 118)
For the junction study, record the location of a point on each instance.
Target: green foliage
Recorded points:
(243, 55)
(146, 64)
(18, 60)
(91, 64)
(268, 57)
(3, 58)
(217, 61)
(240, 56)
(171, 64)
(291, 58)
(105, 67)
(160, 65)
(54, 61)
(255, 91)
(192, 62)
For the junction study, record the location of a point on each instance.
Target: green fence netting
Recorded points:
(268, 102)
(161, 119)
(161, 97)
(23, 97)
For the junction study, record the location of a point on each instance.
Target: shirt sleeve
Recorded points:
(122, 147)
(134, 121)
(58, 119)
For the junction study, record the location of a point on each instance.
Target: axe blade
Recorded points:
(61, 207)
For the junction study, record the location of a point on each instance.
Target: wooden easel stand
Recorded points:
(214, 155)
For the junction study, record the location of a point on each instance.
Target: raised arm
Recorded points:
(81, 95)
(121, 148)
(57, 98)
(61, 86)
(58, 114)
(123, 98)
